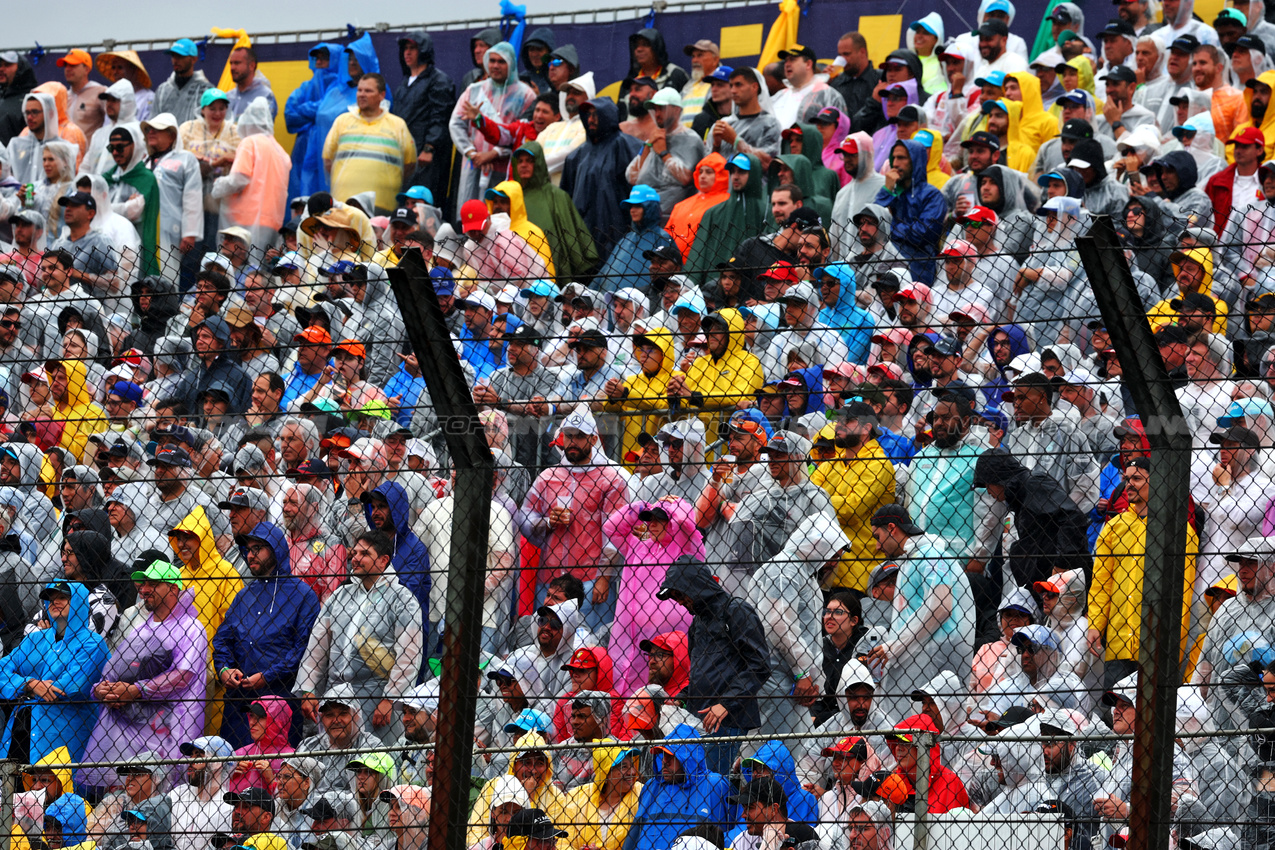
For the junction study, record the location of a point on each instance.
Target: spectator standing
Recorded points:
(667, 160)
(254, 192)
(181, 193)
(369, 148)
(179, 95)
(500, 97)
(595, 174)
(368, 636)
(424, 100)
(153, 687)
(250, 84)
(258, 646)
(83, 104)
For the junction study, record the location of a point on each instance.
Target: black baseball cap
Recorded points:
(798, 50)
(664, 251)
(762, 789)
(896, 514)
(984, 139)
(533, 823)
(250, 797)
(945, 346)
(1118, 27)
(1248, 41)
(591, 338)
(1013, 715)
(403, 215)
(524, 334)
(1076, 130)
(993, 27)
(78, 199)
(1236, 434)
(1185, 44)
(1194, 301)
(1121, 73)
(804, 217)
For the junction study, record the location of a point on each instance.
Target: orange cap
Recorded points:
(894, 790)
(640, 713)
(314, 336)
(350, 346)
(75, 57)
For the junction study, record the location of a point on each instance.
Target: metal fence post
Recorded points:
(458, 417)
(1145, 375)
(920, 834)
(7, 790)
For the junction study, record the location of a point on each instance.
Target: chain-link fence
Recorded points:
(794, 534)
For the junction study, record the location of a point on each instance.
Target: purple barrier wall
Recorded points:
(603, 47)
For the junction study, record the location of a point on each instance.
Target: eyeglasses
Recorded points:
(660, 654)
(860, 827)
(974, 225)
(835, 612)
(119, 147)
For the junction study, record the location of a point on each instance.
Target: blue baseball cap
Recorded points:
(641, 194)
(444, 282)
(1043, 180)
(991, 78)
(999, 6)
(1075, 98)
(126, 390)
(1035, 635)
(540, 287)
(1000, 104)
(529, 720)
(922, 25)
(740, 161)
(183, 47)
(753, 415)
(721, 74)
(418, 193)
(339, 267)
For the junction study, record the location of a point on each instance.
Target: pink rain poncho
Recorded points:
(638, 614)
(275, 740)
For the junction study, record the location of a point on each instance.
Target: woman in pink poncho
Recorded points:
(650, 535)
(268, 722)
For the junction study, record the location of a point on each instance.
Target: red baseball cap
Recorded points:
(845, 745)
(1046, 587)
(980, 214)
(473, 215)
(849, 145)
(898, 336)
(581, 659)
(1248, 136)
(892, 370)
(314, 335)
(961, 248)
(907, 295)
(781, 270)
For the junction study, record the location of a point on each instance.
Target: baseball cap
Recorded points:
(1035, 635)
(1247, 136)
(183, 47)
(991, 78)
(993, 27)
(1076, 97)
(333, 806)
(250, 797)
(478, 298)
(828, 115)
(1236, 434)
(533, 823)
(984, 139)
(76, 57)
(959, 248)
(800, 293)
(798, 50)
(78, 199)
(314, 335)
(664, 251)
(762, 789)
(211, 745)
(1060, 15)
(896, 514)
(1012, 716)
(529, 719)
(789, 443)
(246, 497)
(1253, 548)
(60, 586)
(666, 97)
(403, 215)
(852, 744)
(980, 215)
(581, 421)
(721, 74)
(473, 215)
(1121, 73)
(590, 338)
(543, 288)
(1234, 16)
(126, 390)
(782, 270)
(175, 456)
(1077, 129)
(945, 346)
(740, 161)
(641, 194)
(352, 347)
(1194, 301)
(1118, 27)
(1058, 719)
(703, 44)
(1248, 41)
(917, 26)
(382, 763)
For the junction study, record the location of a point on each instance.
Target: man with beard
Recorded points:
(420, 719)
(253, 814)
(317, 558)
(943, 358)
(565, 509)
(667, 161)
(258, 645)
(859, 479)
(198, 809)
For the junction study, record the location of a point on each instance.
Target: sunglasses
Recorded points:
(557, 63)
(9, 324)
(119, 147)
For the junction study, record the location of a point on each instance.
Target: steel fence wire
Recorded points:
(805, 530)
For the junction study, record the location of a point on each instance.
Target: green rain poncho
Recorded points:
(727, 224)
(826, 182)
(803, 177)
(550, 209)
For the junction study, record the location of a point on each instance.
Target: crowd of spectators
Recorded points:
(807, 429)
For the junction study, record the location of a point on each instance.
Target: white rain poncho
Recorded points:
(26, 152)
(860, 191)
(96, 159)
(181, 199)
(1023, 764)
(1061, 297)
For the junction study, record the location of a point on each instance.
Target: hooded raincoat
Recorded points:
(79, 415)
(626, 267)
(265, 631)
(273, 740)
(667, 809)
(728, 223)
(532, 234)
(918, 211)
(550, 209)
(335, 100)
(26, 152)
(1035, 125)
(581, 807)
(594, 176)
(425, 103)
(545, 796)
(802, 805)
(1022, 763)
(858, 192)
(169, 659)
(947, 792)
(70, 810)
(644, 391)
(134, 189)
(639, 615)
(684, 220)
(71, 658)
(718, 383)
(499, 102)
(255, 192)
(729, 654)
(300, 115)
